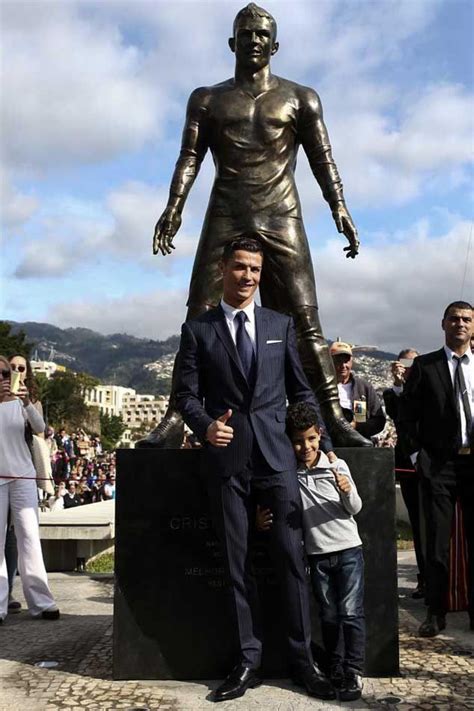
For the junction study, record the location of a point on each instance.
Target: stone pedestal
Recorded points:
(171, 619)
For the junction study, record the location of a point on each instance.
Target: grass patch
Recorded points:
(103, 563)
(404, 536)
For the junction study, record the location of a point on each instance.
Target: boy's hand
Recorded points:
(264, 519)
(343, 483)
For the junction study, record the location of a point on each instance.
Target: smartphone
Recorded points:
(15, 380)
(406, 362)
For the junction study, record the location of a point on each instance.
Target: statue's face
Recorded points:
(253, 43)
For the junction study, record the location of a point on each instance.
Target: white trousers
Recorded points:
(21, 497)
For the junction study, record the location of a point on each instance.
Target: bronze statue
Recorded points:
(253, 124)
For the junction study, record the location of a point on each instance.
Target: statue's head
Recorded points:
(254, 38)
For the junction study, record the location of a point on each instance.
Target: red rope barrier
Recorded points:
(36, 478)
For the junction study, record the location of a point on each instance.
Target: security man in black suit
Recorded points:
(238, 363)
(436, 413)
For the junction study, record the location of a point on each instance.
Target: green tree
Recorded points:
(13, 343)
(42, 384)
(64, 400)
(112, 428)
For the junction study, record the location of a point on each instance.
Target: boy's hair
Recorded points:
(301, 416)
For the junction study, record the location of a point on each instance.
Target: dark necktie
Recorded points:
(461, 396)
(244, 345)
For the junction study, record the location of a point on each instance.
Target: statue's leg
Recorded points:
(288, 285)
(205, 292)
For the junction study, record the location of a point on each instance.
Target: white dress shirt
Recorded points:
(230, 314)
(345, 394)
(467, 366)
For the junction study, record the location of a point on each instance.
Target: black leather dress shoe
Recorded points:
(314, 681)
(433, 625)
(236, 684)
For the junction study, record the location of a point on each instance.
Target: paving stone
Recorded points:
(435, 674)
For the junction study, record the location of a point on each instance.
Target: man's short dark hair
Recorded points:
(300, 417)
(405, 352)
(246, 244)
(465, 305)
(254, 12)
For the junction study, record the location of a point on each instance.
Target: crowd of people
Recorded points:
(82, 471)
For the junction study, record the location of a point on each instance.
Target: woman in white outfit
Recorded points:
(19, 494)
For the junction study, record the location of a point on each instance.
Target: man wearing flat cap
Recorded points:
(360, 403)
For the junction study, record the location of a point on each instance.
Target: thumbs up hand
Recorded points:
(219, 434)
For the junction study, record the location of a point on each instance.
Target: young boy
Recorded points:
(333, 547)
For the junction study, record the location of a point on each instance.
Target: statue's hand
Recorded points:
(346, 226)
(165, 230)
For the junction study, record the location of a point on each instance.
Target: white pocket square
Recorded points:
(275, 341)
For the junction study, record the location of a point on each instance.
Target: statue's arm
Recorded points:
(193, 149)
(314, 138)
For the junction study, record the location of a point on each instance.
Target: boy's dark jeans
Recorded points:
(338, 585)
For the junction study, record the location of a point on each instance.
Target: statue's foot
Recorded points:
(342, 434)
(169, 434)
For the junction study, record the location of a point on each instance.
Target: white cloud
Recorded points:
(156, 315)
(16, 207)
(394, 293)
(390, 156)
(65, 236)
(392, 296)
(73, 234)
(75, 91)
(134, 209)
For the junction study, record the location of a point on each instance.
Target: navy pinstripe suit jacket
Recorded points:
(211, 380)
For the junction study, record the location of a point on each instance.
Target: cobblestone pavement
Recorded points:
(436, 674)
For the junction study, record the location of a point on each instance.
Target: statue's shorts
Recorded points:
(287, 281)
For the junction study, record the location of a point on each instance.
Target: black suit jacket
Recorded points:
(428, 413)
(211, 380)
(403, 447)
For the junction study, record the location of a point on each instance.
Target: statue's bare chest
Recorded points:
(238, 117)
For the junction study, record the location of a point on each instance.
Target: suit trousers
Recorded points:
(442, 482)
(21, 497)
(232, 507)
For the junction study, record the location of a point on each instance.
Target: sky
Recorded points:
(93, 101)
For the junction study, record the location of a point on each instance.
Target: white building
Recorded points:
(134, 409)
(108, 398)
(143, 409)
(46, 367)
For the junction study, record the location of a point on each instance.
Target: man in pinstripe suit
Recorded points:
(238, 363)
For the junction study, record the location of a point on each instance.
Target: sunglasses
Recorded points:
(5, 374)
(19, 368)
